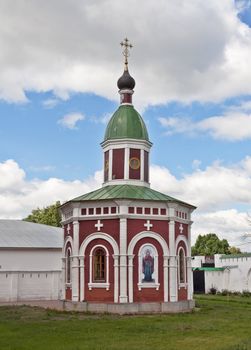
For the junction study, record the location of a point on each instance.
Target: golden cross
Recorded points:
(126, 45)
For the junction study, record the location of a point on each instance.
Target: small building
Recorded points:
(126, 246)
(228, 272)
(30, 261)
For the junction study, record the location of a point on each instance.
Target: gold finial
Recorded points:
(126, 45)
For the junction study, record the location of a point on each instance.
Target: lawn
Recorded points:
(218, 323)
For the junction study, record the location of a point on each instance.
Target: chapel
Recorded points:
(127, 247)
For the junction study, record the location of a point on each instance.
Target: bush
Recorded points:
(225, 292)
(213, 290)
(246, 293)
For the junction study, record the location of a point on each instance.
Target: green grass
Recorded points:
(218, 323)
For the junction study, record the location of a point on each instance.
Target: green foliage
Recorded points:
(234, 250)
(49, 215)
(210, 244)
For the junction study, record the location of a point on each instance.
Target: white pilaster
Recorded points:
(110, 165)
(116, 278)
(75, 262)
(126, 164)
(123, 298)
(82, 277)
(189, 267)
(130, 277)
(142, 160)
(63, 278)
(165, 257)
(173, 262)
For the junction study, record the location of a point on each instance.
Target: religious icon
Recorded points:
(148, 265)
(134, 163)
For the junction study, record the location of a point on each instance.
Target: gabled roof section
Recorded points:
(23, 234)
(127, 192)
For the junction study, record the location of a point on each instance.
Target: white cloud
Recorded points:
(50, 103)
(216, 191)
(183, 56)
(229, 224)
(213, 188)
(18, 195)
(233, 126)
(70, 120)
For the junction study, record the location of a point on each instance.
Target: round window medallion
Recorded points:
(134, 163)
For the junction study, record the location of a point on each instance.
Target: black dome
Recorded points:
(126, 81)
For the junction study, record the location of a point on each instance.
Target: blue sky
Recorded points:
(193, 89)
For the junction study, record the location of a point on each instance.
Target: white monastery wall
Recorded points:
(30, 274)
(236, 275)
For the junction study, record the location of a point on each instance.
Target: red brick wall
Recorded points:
(135, 226)
(182, 294)
(66, 232)
(177, 230)
(99, 294)
(68, 293)
(111, 226)
(146, 166)
(134, 173)
(106, 168)
(118, 163)
(148, 294)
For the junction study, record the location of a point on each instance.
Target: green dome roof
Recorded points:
(126, 123)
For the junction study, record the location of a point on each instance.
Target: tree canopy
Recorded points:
(49, 215)
(210, 244)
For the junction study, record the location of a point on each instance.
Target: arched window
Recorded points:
(68, 266)
(182, 266)
(99, 265)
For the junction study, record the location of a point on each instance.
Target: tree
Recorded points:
(49, 215)
(210, 244)
(234, 250)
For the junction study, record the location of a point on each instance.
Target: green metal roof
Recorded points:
(126, 122)
(127, 192)
(208, 268)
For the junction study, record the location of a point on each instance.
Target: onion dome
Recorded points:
(126, 81)
(126, 123)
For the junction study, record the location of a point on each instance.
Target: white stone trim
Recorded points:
(110, 156)
(131, 246)
(173, 263)
(182, 238)
(68, 240)
(82, 277)
(64, 268)
(123, 143)
(156, 269)
(142, 164)
(126, 164)
(113, 243)
(126, 182)
(91, 283)
(123, 297)
(182, 284)
(75, 262)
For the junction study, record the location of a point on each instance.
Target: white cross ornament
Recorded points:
(148, 225)
(98, 225)
(68, 229)
(181, 228)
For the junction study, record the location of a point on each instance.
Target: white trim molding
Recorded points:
(165, 251)
(92, 283)
(113, 243)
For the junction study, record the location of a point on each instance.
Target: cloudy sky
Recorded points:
(59, 63)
